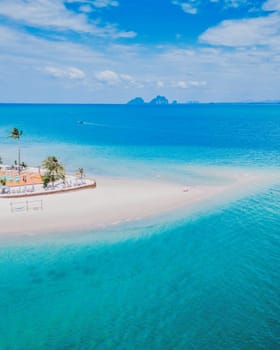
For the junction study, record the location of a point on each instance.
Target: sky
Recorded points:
(110, 51)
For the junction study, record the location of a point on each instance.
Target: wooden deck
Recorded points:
(26, 178)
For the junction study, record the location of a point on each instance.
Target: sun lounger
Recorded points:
(34, 205)
(18, 206)
(26, 206)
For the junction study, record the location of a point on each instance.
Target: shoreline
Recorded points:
(114, 201)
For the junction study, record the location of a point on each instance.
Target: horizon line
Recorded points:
(144, 104)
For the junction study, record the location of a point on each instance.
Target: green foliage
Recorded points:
(3, 182)
(80, 172)
(16, 133)
(46, 180)
(54, 170)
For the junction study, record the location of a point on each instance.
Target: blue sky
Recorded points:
(109, 51)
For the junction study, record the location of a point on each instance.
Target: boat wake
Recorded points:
(83, 122)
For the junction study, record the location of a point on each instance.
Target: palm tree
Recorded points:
(81, 173)
(54, 170)
(16, 135)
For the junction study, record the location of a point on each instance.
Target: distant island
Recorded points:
(162, 100)
(159, 100)
(136, 101)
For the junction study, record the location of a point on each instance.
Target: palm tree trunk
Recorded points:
(53, 180)
(19, 156)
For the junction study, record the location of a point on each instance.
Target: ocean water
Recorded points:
(209, 280)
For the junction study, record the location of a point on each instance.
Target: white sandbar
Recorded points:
(113, 201)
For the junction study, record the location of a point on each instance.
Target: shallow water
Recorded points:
(207, 281)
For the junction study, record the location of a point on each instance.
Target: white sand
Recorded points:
(112, 202)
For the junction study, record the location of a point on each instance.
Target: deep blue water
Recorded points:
(210, 281)
(220, 125)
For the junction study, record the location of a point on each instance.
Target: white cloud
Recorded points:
(160, 84)
(126, 77)
(54, 15)
(108, 77)
(181, 84)
(271, 5)
(85, 8)
(88, 5)
(105, 3)
(68, 72)
(95, 3)
(236, 3)
(111, 78)
(233, 73)
(188, 84)
(188, 7)
(115, 34)
(196, 83)
(44, 13)
(193, 6)
(244, 32)
(23, 47)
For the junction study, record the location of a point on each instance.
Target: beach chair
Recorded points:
(34, 205)
(4, 190)
(18, 206)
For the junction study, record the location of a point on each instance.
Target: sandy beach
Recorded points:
(114, 201)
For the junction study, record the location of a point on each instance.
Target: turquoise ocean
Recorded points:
(209, 279)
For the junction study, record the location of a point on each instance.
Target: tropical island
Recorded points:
(74, 205)
(19, 180)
